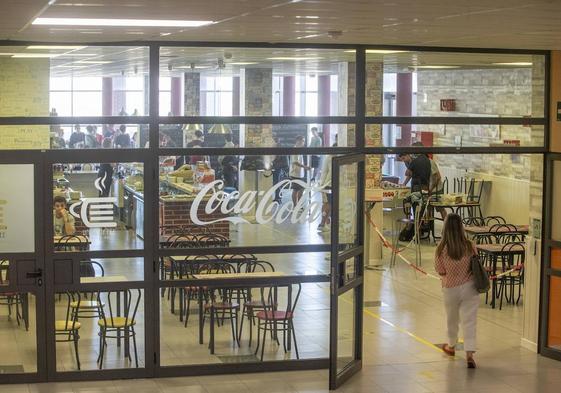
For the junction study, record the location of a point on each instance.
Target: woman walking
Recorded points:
(461, 299)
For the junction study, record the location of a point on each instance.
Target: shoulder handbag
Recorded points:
(480, 276)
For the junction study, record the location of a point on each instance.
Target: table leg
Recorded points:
(211, 330)
(118, 295)
(494, 282)
(201, 313)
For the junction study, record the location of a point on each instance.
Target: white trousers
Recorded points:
(461, 304)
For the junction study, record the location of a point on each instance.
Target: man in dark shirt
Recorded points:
(418, 171)
(122, 140)
(77, 138)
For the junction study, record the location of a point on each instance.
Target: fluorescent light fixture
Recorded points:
(515, 63)
(243, 63)
(294, 58)
(379, 51)
(35, 55)
(55, 47)
(7, 54)
(435, 67)
(307, 17)
(70, 66)
(72, 54)
(120, 22)
(196, 67)
(94, 61)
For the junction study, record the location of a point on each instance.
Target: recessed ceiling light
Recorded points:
(307, 17)
(196, 67)
(294, 58)
(35, 55)
(55, 47)
(379, 51)
(435, 67)
(515, 63)
(243, 63)
(164, 34)
(120, 22)
(94, 61)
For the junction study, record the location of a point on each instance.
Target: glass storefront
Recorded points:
(202, 234)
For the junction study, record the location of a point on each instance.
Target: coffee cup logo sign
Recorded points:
(96, 212)
(236, 204)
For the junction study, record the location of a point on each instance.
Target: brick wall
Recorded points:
(177, 213)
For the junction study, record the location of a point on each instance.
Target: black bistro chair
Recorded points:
(68, 329)
(273, 320)
(510, 281)
(116, 325)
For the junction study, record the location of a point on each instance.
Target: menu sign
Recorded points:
(24, 137)
(17, 227)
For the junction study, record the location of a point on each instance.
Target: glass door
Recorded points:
(22, 311)
(550, 318)
(347, 252)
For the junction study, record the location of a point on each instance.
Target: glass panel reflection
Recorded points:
(245, 200)
(18, 336)
(240, 313)
(348, 199)
(256, 82)
(98, 206)
(345, 330)
(409, 83)
(99, 329)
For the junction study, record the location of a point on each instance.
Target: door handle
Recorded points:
(34, 274)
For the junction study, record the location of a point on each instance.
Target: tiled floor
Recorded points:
(399, 332)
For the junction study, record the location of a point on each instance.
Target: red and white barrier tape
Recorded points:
(398, 252)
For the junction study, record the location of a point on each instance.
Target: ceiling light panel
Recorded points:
(119, 22)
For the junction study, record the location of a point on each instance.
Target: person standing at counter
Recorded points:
(105, 173)
(315, 142)
(91, 138)
(77, 139)
(418, 171)
(63, 222)
(122, 139)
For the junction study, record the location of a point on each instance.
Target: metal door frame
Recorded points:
(35, 158)
(337, 270)
(546, 271)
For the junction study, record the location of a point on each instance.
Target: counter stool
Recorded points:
(401, 224)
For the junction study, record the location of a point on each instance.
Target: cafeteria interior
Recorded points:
(498, 195)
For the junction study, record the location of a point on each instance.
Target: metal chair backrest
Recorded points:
(129, 306)
(254, 266)
(493, 220)
(473, 221)
(483, 239)
(88, 269)
(69, 318)
(68, 242)
(292, 297)
(513, 254)
(212, 240)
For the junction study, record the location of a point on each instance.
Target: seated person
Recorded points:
(63, 222)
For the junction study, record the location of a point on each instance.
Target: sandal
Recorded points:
(448, 350)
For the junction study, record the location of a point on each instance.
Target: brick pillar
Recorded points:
(192, 94)
(288, 95)
(258, 94)
(403, 99)
(175, 96)
(107, 96)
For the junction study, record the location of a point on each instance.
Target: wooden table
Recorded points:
(100, 279)
(184, 259)
(75, 241)
(231, 278)
(494, 251)
(168, 240)
(474, 208)
(502, 229)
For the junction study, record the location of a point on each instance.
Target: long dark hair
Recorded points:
(454, 238)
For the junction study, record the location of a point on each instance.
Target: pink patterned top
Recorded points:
(453, 273)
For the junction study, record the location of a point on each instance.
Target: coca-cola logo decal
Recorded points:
(235, 205)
